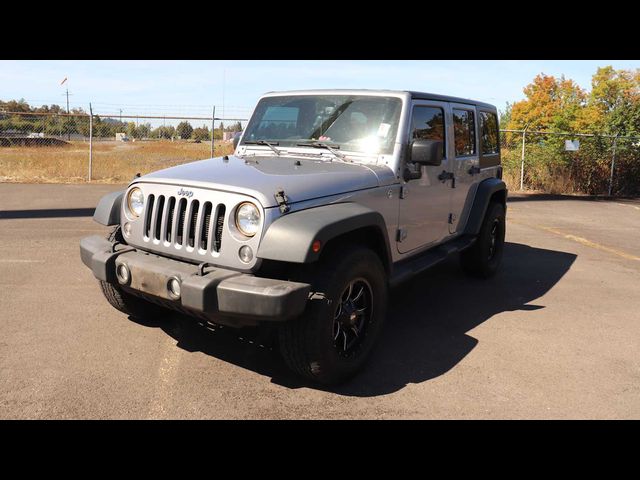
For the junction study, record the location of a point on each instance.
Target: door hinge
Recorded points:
(404, 191)
(452, 218)
(401, 235)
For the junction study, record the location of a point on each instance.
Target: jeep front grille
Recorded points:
(184, 223)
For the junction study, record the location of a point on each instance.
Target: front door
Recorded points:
(425, 202)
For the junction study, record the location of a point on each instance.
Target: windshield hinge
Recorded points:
(282, 200)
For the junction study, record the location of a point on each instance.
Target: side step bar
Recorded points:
(407, 269)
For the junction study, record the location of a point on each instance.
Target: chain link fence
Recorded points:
(555, 162)
(46, 147)
(55, 147)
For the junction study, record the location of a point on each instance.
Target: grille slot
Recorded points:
(182, 212)
(217, 240)
(170, 211)
(149, 217)
(204, 231)
(193, 223)
(158, 217)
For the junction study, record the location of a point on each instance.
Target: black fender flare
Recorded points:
(486, 189)
(108, 209)
(290, 237)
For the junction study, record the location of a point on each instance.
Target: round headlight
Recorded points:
(248, 219)
(135, 201)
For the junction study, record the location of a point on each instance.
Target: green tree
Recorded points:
(201, 133)
(615, 101)
(504, 115)
(184, 130)
(143, 130)
(163, 132)
(131, 130)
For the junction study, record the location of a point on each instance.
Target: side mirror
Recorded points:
(426, 152)
(236, 139)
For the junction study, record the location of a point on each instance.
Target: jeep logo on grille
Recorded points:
(185, 193)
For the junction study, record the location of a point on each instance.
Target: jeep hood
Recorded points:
(260, 177)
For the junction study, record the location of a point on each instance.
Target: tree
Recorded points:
(163, 132)
(143, 130)
(201, 133)
(184, 130)
(131, 130)
(504, 115)
(551, 104)
(615, 101)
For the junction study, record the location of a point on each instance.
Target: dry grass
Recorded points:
(113, 162)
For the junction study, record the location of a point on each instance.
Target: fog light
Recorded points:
(123, 274)
(126, 229)
(246, 254)
(173, 287)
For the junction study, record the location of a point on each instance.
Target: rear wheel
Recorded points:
(331, 341)
(483, 258)
(126, 302)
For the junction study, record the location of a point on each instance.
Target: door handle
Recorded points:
(474, 169)
(444, 176)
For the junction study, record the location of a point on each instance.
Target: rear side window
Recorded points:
(489, 133)
(464, 129)
(428, 124)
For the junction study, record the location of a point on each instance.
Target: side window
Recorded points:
(489, 133)
(464, 129)
(428, 124)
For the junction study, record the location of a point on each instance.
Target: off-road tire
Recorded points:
(125, 302)
(480, 260)
(307, 343)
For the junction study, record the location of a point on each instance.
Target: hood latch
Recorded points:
(282, 200)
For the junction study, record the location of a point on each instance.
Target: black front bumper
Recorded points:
(218, 294)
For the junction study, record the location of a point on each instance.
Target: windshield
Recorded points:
(363, 124)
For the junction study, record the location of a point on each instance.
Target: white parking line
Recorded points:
(580, 240)
(167, 374)
(19, 260)
(627, 205)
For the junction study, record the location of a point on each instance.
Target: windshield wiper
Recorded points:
(332, 148)
(266, 143)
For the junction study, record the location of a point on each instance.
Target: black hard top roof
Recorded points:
(414, 95)
(446, 98)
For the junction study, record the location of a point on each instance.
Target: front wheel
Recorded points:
(331, 341)
(483, 258)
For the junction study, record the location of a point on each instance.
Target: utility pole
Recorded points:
(524, 137)
(224, 81)
(613, 164)
(213, 120)
(90, 140)
(68, 111)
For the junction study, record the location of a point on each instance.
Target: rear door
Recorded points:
(466, 160)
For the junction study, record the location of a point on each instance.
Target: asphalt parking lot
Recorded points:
(556, 334)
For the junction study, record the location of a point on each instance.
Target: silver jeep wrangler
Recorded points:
(330, 198)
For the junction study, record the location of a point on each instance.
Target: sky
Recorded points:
(192, 87)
